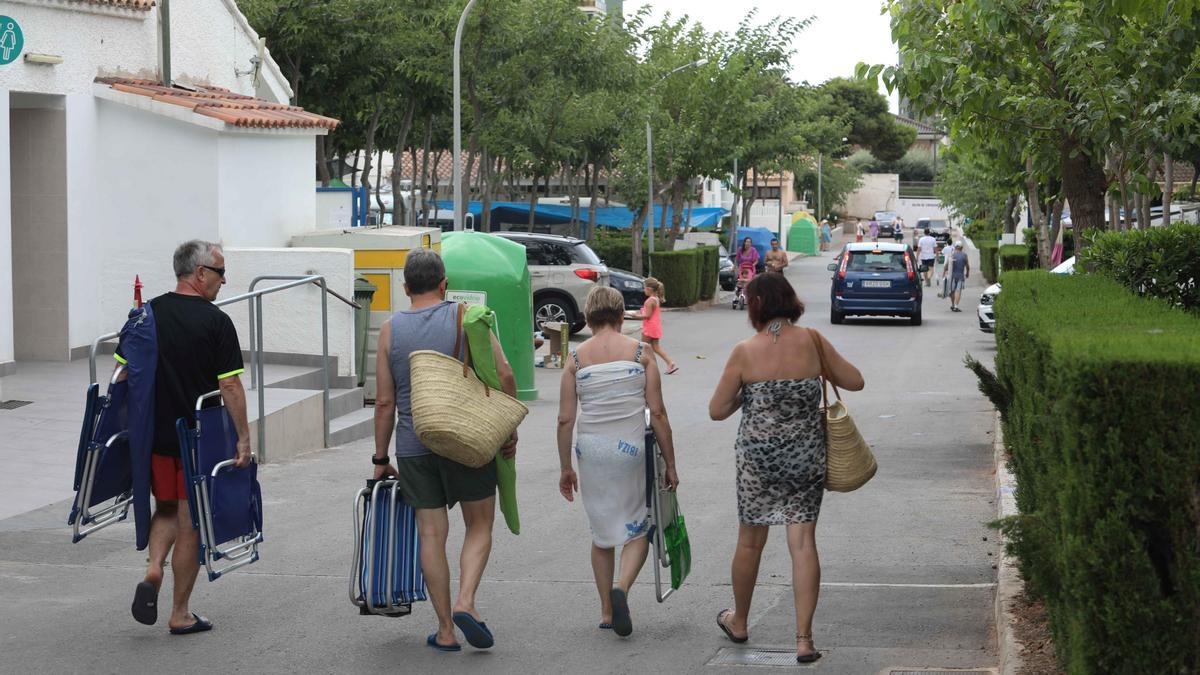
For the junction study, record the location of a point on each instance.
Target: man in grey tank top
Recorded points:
(429, 483)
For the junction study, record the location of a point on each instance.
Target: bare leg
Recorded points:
(432, 527)
(602, 570)
(184, 567)
(806, 578)
(657, 346)
(163, 528)
(478, 516)
(751, 539)
(633, 558)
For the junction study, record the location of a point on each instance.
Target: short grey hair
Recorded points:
(193, 254)
(423, 270)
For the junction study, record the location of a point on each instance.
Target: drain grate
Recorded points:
(13, 405)
(740, 656)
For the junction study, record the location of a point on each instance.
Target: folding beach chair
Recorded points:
(103, 470)
(225, 501)
(385, 575)
(668, 534)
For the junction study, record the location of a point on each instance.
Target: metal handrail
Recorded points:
(256, 361)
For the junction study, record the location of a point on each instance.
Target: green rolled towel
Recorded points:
(478, 324)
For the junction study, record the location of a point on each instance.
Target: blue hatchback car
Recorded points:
(876, 279)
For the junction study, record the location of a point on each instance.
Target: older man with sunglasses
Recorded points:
(198, 352)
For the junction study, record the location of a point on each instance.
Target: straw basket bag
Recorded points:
(849, 463)
(455, 414)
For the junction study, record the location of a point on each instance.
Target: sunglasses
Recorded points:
(219, 270)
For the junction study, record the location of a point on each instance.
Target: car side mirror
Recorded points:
(832, 267)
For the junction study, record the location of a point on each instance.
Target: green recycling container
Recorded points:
(484, 268)
(803, 235)
(364, 292)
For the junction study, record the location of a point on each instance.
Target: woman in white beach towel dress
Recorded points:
(612, 379)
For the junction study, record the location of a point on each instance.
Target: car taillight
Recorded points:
(842, 267)
(911, 274)
(590, 275)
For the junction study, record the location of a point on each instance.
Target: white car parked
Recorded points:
(986, 311)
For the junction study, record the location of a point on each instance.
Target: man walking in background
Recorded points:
(927, 249)
(960, 271)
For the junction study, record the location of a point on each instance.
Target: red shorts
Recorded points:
(166, 478)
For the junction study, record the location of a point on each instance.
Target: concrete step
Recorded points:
(344, 401)
(299, 377)
(352, 427)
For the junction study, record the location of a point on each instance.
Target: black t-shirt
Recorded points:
(197, 347)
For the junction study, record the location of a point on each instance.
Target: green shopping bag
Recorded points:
(679, 549)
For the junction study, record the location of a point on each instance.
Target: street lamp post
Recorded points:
(650, 160)
(457, 169)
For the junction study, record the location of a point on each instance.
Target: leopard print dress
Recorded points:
(781, 452)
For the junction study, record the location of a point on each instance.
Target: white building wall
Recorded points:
(209, 38)
(878, 192)
(292, 318)
(6, 299)
(147, 197)
(266, 188)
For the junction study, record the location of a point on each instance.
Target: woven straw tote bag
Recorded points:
(455, 414)
(849, 462)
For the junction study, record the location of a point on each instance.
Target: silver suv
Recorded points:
(562, 271)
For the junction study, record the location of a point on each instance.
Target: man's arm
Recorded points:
(385, 402)
(234, 396)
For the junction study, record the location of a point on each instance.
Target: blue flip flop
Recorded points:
(432, 642)
(476, 632)
(202, 625)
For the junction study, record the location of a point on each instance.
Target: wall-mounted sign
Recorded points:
(12, 40)
(469, 297)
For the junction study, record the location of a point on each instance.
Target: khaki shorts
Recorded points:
(433, 482)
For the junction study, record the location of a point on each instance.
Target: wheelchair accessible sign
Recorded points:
(12, 40)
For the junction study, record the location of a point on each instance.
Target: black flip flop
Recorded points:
(145, 604)
(476, 632)
(621, 621)
(200, 626)
(808, 658)
(726, 630)
(605, 626)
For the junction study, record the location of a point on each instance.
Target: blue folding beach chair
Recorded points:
(668, 534)
(225, 501)
(103, 469)
(385, 575)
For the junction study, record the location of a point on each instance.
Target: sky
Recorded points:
(843, 32)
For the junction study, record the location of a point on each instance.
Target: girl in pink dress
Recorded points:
(651, 314)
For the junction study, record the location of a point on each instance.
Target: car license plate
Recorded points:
(876, 284)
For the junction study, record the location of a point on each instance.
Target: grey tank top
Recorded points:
(430, 328)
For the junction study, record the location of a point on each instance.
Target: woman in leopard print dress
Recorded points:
(775, 378)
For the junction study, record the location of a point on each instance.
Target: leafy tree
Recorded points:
(872, 127)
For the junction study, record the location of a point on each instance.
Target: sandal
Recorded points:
(729, 632)
(811, 656)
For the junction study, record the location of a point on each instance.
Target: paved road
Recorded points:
(907, 574)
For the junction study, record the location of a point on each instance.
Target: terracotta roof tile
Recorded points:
(143, 5)
(234, 109)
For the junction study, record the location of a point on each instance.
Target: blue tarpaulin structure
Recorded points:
(615, 217)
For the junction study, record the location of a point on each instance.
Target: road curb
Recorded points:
(1009, 585)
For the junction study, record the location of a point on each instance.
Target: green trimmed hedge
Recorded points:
(989, 259)
(1162, 262)
(709, 267)
(1014, 257)
(679, 271)
(1102, 420)
(616, 250)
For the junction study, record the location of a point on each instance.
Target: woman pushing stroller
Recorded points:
(746, 261)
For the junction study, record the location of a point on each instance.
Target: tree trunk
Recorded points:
(750, 201)
(1168, 187)
(485, 211)
(435, 177)
(636, 233)
(322, 162)
(592, 192)
(532, 200)
(1152, 172)
(378, 182)
(418, 186)
(1083, 185)
(676, 216)
(399, 210)
(1037, 215)
(369, 151)
(1010, 223)
(354, 167)
(425, 171)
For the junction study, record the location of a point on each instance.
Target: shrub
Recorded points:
(1162, 262)
(709, 266)
(1014, 257)
(616, 250)
(679, 271)
(989, 252)
(1103, 428)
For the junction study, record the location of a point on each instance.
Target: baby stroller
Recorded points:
(745, 275)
